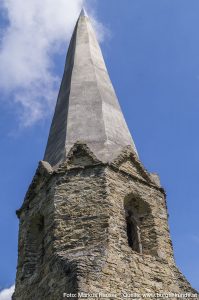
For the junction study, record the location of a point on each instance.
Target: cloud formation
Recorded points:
(35, 31)
(6, 294)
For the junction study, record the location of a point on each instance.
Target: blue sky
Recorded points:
(151, 49)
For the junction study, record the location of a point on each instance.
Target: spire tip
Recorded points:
(83, 13)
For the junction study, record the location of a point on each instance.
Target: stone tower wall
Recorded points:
(94, 220)
(76, 217)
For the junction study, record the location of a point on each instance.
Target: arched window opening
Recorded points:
(133, 232)
(140, 228)
(34, 246)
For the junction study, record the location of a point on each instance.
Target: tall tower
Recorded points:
(93, 221)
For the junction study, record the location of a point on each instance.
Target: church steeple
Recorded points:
(83, 12)
(87, 108)
(89, 227)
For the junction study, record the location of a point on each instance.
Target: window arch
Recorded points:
(140, 227)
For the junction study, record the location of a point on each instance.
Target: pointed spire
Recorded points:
(87, 108)
(83, 13)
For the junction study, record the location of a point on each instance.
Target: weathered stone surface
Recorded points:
(95, 222)
(84, 232)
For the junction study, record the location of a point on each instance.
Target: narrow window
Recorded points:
(140, 227)
(133, 232)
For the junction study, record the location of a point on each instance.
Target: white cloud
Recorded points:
(36, 31)
(6, 294)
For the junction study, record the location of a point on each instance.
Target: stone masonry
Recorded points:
(92, 224)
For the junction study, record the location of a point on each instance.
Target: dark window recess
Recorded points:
(133, 232)
(140, 226)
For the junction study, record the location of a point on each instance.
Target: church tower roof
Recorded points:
(87, 108)
(84, 224)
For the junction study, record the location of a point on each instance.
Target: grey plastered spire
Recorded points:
(83, 12)
(87, 108)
